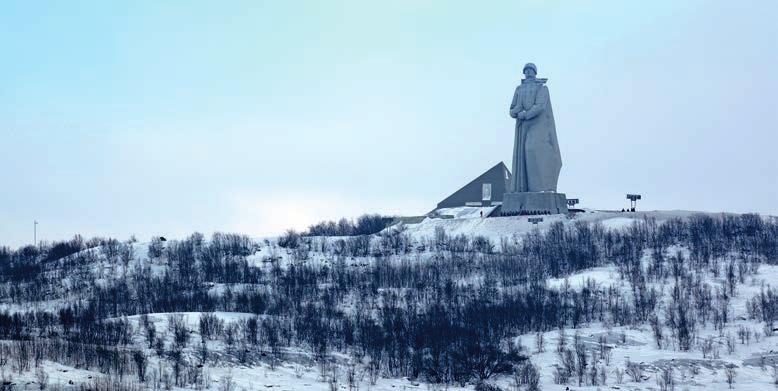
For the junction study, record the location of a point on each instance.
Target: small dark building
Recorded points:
(486, 190)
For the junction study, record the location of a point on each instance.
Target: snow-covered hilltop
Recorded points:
(466, 220)
(594, 300)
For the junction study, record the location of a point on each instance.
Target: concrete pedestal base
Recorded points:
(531, 203)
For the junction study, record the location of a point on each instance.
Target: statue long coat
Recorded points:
(536, 157)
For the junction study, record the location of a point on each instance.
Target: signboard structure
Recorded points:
(633, 200)
(535, 220)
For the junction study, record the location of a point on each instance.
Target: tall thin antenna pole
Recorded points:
(35, 234)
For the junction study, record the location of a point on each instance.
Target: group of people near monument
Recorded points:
(526, 213)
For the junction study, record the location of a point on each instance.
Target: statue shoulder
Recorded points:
(536, 80)
(532, 83)
(543, 89)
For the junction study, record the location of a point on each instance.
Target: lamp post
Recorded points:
(35, 233)
(633, 200)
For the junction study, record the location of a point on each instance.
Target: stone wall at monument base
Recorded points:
(534, 203)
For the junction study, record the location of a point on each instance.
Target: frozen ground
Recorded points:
(693, 372)
(754, 361)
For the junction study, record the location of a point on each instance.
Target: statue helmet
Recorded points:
(530, 65)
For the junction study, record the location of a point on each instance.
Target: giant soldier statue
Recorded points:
(536, 157)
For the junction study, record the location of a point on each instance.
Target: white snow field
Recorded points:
(496, 228)
(753, 360)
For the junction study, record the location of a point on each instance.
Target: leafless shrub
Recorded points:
(665, 379)
(634, 370)
(226, 383)
(42, 378)
(730, 372)
(706, 346)
(298, 371)
(527, 375)
(619, 375)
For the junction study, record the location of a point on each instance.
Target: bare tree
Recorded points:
(42, 378)
(226, 383)
(730, 372)
(177, 327)
(561, 341)
(22, 355)
(352, 379)
(706, 346)
(730, 344)
(140, 364)
(581, 360)
(656, 327)
(126, 255)
(540, 342)
(373, 370)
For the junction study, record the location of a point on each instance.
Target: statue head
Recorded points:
(530, 70)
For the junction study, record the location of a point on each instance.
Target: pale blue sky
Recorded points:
(152, 117)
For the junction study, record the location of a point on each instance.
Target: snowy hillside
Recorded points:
(595, 300)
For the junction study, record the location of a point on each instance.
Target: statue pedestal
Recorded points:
(532, 202)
